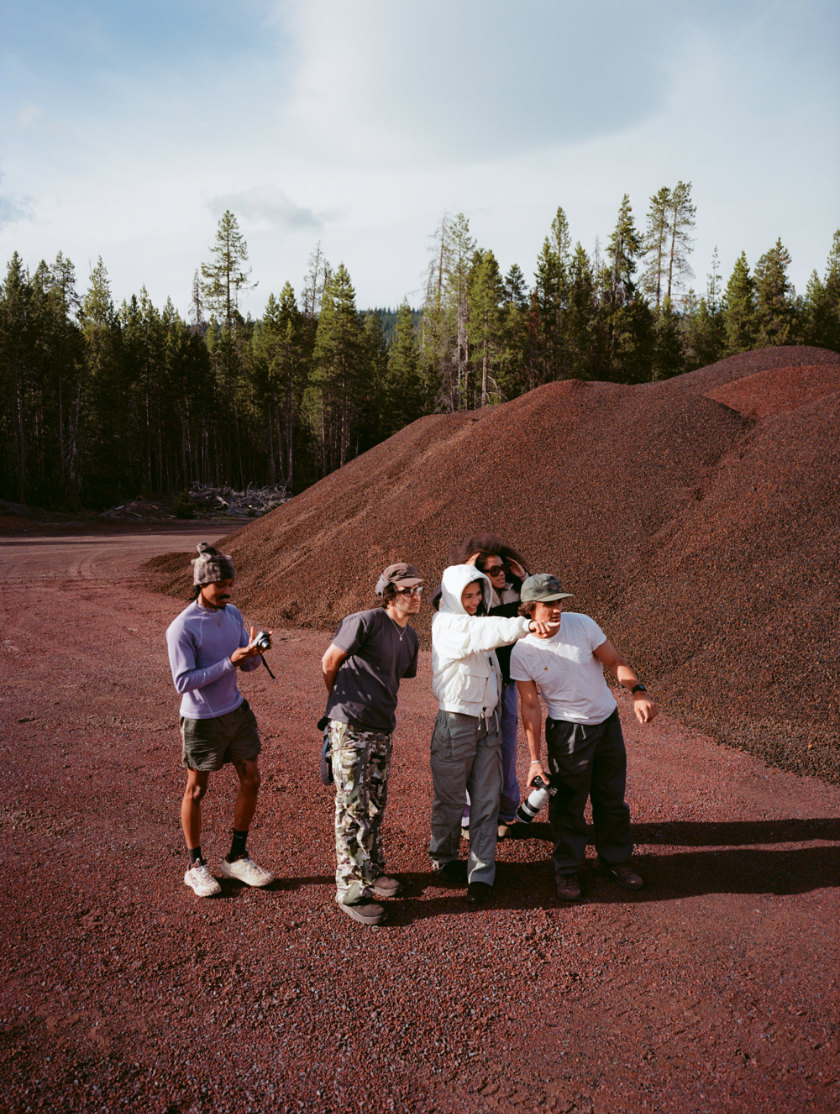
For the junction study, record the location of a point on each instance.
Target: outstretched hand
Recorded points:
(542, 629)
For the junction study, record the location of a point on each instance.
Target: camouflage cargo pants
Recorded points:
(361, 763)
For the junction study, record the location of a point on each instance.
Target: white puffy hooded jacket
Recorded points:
(465, 672)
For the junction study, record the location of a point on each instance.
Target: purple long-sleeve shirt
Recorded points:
(200, 641)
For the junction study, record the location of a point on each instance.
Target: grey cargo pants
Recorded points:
(466, 755)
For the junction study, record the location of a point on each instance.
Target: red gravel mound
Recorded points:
(696, 519)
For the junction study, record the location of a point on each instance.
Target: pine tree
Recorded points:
(623, 253)
(514, 288)
(105, 468)
(551, 285)
(703, 323)
(582, 333)
(713, 285)
(405, 401)
(514, 357)
(228, 343)
(437, 342)
(225, 276)
(775, 308)
(485, 326)
(681, 212)
(283, 354)
(315, 282)
(629, 322)
(193, 409)
(445, 330)
(197, 304)
(739, 315)
(334, 394)
(822, 303)
(668, 355)
(655, 245)
(456, 286)
(16, 374)
(370, 421)
(704, 335)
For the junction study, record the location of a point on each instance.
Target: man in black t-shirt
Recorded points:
(363, 666)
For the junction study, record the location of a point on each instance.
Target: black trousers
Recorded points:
(587, 761)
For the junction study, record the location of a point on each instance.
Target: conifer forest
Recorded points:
(101, 402)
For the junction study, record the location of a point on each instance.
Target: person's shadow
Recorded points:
(676, 858)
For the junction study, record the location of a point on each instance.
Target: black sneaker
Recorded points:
(479, 893)
(453, 873)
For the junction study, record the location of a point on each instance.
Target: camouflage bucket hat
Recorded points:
(210, 565)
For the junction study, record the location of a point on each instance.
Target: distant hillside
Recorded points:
(697, 519)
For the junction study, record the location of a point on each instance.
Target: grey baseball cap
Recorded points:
(401, 574)
(542, 588)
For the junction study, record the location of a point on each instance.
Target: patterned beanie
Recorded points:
(210, 565)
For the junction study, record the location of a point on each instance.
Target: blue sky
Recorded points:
(126, 130)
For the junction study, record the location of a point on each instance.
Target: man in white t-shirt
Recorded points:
(585, 746)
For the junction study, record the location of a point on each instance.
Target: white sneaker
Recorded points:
(199, 879)
(246, 870)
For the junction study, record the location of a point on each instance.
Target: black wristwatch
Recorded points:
(638, 688)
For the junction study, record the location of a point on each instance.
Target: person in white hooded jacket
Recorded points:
(466, 754)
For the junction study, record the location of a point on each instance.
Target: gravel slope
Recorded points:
(697, 519)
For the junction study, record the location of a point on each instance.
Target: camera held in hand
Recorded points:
(540, 792)
(262, 641)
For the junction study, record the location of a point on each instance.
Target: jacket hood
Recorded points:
(453, 582)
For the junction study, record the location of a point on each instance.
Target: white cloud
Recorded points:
(454, 81)
(268, 207)
(358, 124)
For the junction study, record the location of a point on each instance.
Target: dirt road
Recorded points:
(713, 989)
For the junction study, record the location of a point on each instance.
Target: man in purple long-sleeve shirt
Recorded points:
(207, 642)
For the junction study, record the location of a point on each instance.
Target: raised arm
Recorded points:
(485, 632)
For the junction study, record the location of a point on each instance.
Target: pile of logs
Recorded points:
(251, 503)
(205, 501)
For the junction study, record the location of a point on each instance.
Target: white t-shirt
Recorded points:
(565, 670)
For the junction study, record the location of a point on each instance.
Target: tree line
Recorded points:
(100, 402)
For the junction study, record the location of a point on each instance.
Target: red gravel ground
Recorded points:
(713, 989)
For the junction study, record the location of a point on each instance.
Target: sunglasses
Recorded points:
(493, 570)
(417, 590)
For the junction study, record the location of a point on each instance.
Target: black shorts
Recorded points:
(209, 743)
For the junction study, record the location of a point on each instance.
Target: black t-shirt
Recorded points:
(379, 654)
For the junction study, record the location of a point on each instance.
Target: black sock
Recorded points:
(195, 855)
(237, 848)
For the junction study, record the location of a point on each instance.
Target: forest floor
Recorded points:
(713, 989)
